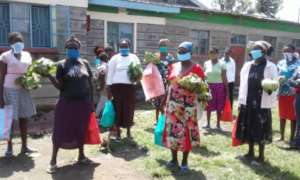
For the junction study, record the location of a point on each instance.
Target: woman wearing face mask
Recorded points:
(120, 88)
(287, 67)
(181, 129)
(74, 81)
(13, 64)
(215, 71)
(254, 123)
(165, 59)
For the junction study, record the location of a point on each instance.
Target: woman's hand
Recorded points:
(109, 93)
(1, 103)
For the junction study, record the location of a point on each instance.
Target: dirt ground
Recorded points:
(33, 167)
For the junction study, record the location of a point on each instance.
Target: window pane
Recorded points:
(201, 41)
(40, 16)
(118, 31)
(4, 24)
(238, 39)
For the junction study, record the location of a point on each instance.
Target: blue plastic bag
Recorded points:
(159, 130)
(6, 120)
(108, 115)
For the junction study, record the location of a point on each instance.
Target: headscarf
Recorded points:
(72, 42)
(187, 45)
(263, 44)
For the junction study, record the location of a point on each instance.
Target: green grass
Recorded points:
(214, 159)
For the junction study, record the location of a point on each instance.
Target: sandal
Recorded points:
(52, 169)
(28, 150)
(85, 161)
(184, 169)
(9, 154)
(172, 164)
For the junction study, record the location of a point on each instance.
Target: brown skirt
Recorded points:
(124, 101)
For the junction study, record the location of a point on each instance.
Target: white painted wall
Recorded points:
(75, 3)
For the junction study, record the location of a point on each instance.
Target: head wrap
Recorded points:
(166, 41)
(263, 44)
(72, 42)
(187, 45)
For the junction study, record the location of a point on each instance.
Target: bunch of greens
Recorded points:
(195, 84)
(32, 78)
(270, 85)
(151, 58)
(135, 72)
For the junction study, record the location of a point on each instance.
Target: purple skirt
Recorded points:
(218, 97)
(71, 122)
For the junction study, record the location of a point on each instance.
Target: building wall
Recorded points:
(74, 3)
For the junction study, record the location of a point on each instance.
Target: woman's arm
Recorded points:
(225, 82)
(110, 73)
(57, 81)
(3, 70)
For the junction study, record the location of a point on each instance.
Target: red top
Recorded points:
(174, 71)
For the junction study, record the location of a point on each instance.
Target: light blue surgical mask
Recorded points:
(163, 49)
(17, 47)
(124, 51)
(256, 54)
(184, 57)
(73, 54)
(97, 62)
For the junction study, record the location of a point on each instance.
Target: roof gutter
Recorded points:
(136, 6)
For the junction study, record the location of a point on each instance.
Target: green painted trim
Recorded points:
(224, 19)
(105, 9)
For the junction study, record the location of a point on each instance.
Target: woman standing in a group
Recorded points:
(120, 88)
(181, 129)
(13, 64)
(254, 123)
(73, 110)
(215, 72)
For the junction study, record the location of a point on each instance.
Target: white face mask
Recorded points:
(288, 56)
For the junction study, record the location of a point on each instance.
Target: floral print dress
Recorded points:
(181, 129)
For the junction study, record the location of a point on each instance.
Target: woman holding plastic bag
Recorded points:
(254, 123)
(181, 130)
(14, 63)
(75, 106)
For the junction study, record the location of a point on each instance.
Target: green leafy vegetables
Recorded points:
(135, 72)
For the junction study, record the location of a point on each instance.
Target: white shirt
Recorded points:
(267, 101)
(118, 67)
(230, 69)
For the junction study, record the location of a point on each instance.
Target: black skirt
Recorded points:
(254, 125)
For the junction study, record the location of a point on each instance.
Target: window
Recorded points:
(40, 16)
(118, 31)
(296, 43)
(4, 24)
(201, 42)
(272, 40)
(238, 39)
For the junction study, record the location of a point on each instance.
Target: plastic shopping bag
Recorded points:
(6, 120)
(159, 129)
(92, 134)
(108, 115)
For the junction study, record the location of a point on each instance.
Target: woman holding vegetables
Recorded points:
(121, 87)
(74, 81)
(13, 64)
(254, 123)
(181, 128)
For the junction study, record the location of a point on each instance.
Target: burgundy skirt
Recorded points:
(124, 101)
(71, 122)
(218, 97)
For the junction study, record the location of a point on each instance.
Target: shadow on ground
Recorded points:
(217, 131)
(76, 172)
(205, 152)
(268, 170)
(127, 149)
(192, 174)
(15, 164)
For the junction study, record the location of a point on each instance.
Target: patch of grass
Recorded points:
(215, 158)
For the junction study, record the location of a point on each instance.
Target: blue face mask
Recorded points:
(184, 57)
(163, 49)
(256, 54)
(17, 47)
(97, 62)
(73, 54)
(124, 51)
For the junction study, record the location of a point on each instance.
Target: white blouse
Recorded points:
(118, 67)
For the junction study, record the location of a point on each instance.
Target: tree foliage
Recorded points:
(268, 7)
(234, 6)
